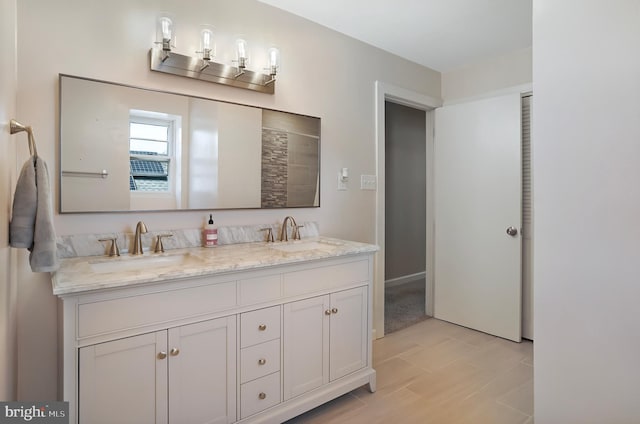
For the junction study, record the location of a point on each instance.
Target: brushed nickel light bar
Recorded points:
(204, 68)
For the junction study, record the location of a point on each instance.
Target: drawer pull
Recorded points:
(162, 355)
(327, 312)
(262, 361)
(262, 327)
(334, 311)
(175, 351)
(262, 395)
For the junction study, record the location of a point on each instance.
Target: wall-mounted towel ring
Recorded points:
(16, 127)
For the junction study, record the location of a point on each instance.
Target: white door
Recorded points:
(477, 199)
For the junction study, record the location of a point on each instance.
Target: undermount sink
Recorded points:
(135, 263)
(301, 246)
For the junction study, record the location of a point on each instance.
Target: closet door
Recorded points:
(478, 191)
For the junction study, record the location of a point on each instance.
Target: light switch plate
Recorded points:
(342, 182)
(368, 182)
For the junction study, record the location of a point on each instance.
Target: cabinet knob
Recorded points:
(334, 311)
(262, 361)
(162, 355)
(327, 312)
(174, 352)
(262, 395)
(262, 327)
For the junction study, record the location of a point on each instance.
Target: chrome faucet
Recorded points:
(295, 232)
(137, 239)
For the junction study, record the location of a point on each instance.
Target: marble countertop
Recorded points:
(85, 274)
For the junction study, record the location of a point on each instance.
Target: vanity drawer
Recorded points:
(259, 326)
(123, 313)
(260, 289)
(260, 394)
(325, 277)
(259, 360)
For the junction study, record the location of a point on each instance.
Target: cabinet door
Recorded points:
(348, 332)
(124, 381)
(202, 372)
(306, 345)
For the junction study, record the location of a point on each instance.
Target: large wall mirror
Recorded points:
(125, 148)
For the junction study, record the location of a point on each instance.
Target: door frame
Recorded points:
(388, 92)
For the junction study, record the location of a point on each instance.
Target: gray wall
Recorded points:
(405, 191)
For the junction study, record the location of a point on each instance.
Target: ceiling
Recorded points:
(441, 34)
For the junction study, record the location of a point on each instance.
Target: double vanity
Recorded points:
(250, 333)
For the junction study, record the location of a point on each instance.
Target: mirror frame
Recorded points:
(61, 147)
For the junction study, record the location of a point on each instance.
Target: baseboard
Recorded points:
(404, 279)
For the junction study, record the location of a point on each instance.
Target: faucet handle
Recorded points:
(113, 247)
(269, 233)
(159, 248)
(296, 232)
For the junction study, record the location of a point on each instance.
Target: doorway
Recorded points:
(405, 218)
(386, 92)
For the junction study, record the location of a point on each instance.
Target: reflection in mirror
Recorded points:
(124, 148)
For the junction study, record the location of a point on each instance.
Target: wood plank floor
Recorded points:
(437, 372)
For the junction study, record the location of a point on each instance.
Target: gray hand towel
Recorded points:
(25, 202)
(44, 256)
(32, 219)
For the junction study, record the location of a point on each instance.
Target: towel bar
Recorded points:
(102, 174)
(16, 127)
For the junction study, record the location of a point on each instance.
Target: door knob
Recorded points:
(162, 355)
(175, 351)
(512, 231)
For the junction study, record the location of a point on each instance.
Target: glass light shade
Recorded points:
(274, 60)
(207, 46)
(166, 33)
(241, 49)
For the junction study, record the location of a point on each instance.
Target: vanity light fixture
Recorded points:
(203, 67)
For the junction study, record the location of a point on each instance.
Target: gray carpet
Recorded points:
(404, 305)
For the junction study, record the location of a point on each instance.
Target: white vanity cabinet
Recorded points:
(256, 345)
(325, 338)
(160, 377)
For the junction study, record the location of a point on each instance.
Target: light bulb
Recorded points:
(166, 27)
(207, 38)
(241, 48)
(274, 60)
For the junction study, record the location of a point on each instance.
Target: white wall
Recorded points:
(488, 76)
(8, 299)
(586, 72)
(324, 74)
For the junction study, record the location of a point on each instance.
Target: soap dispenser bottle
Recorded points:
(210, 233)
